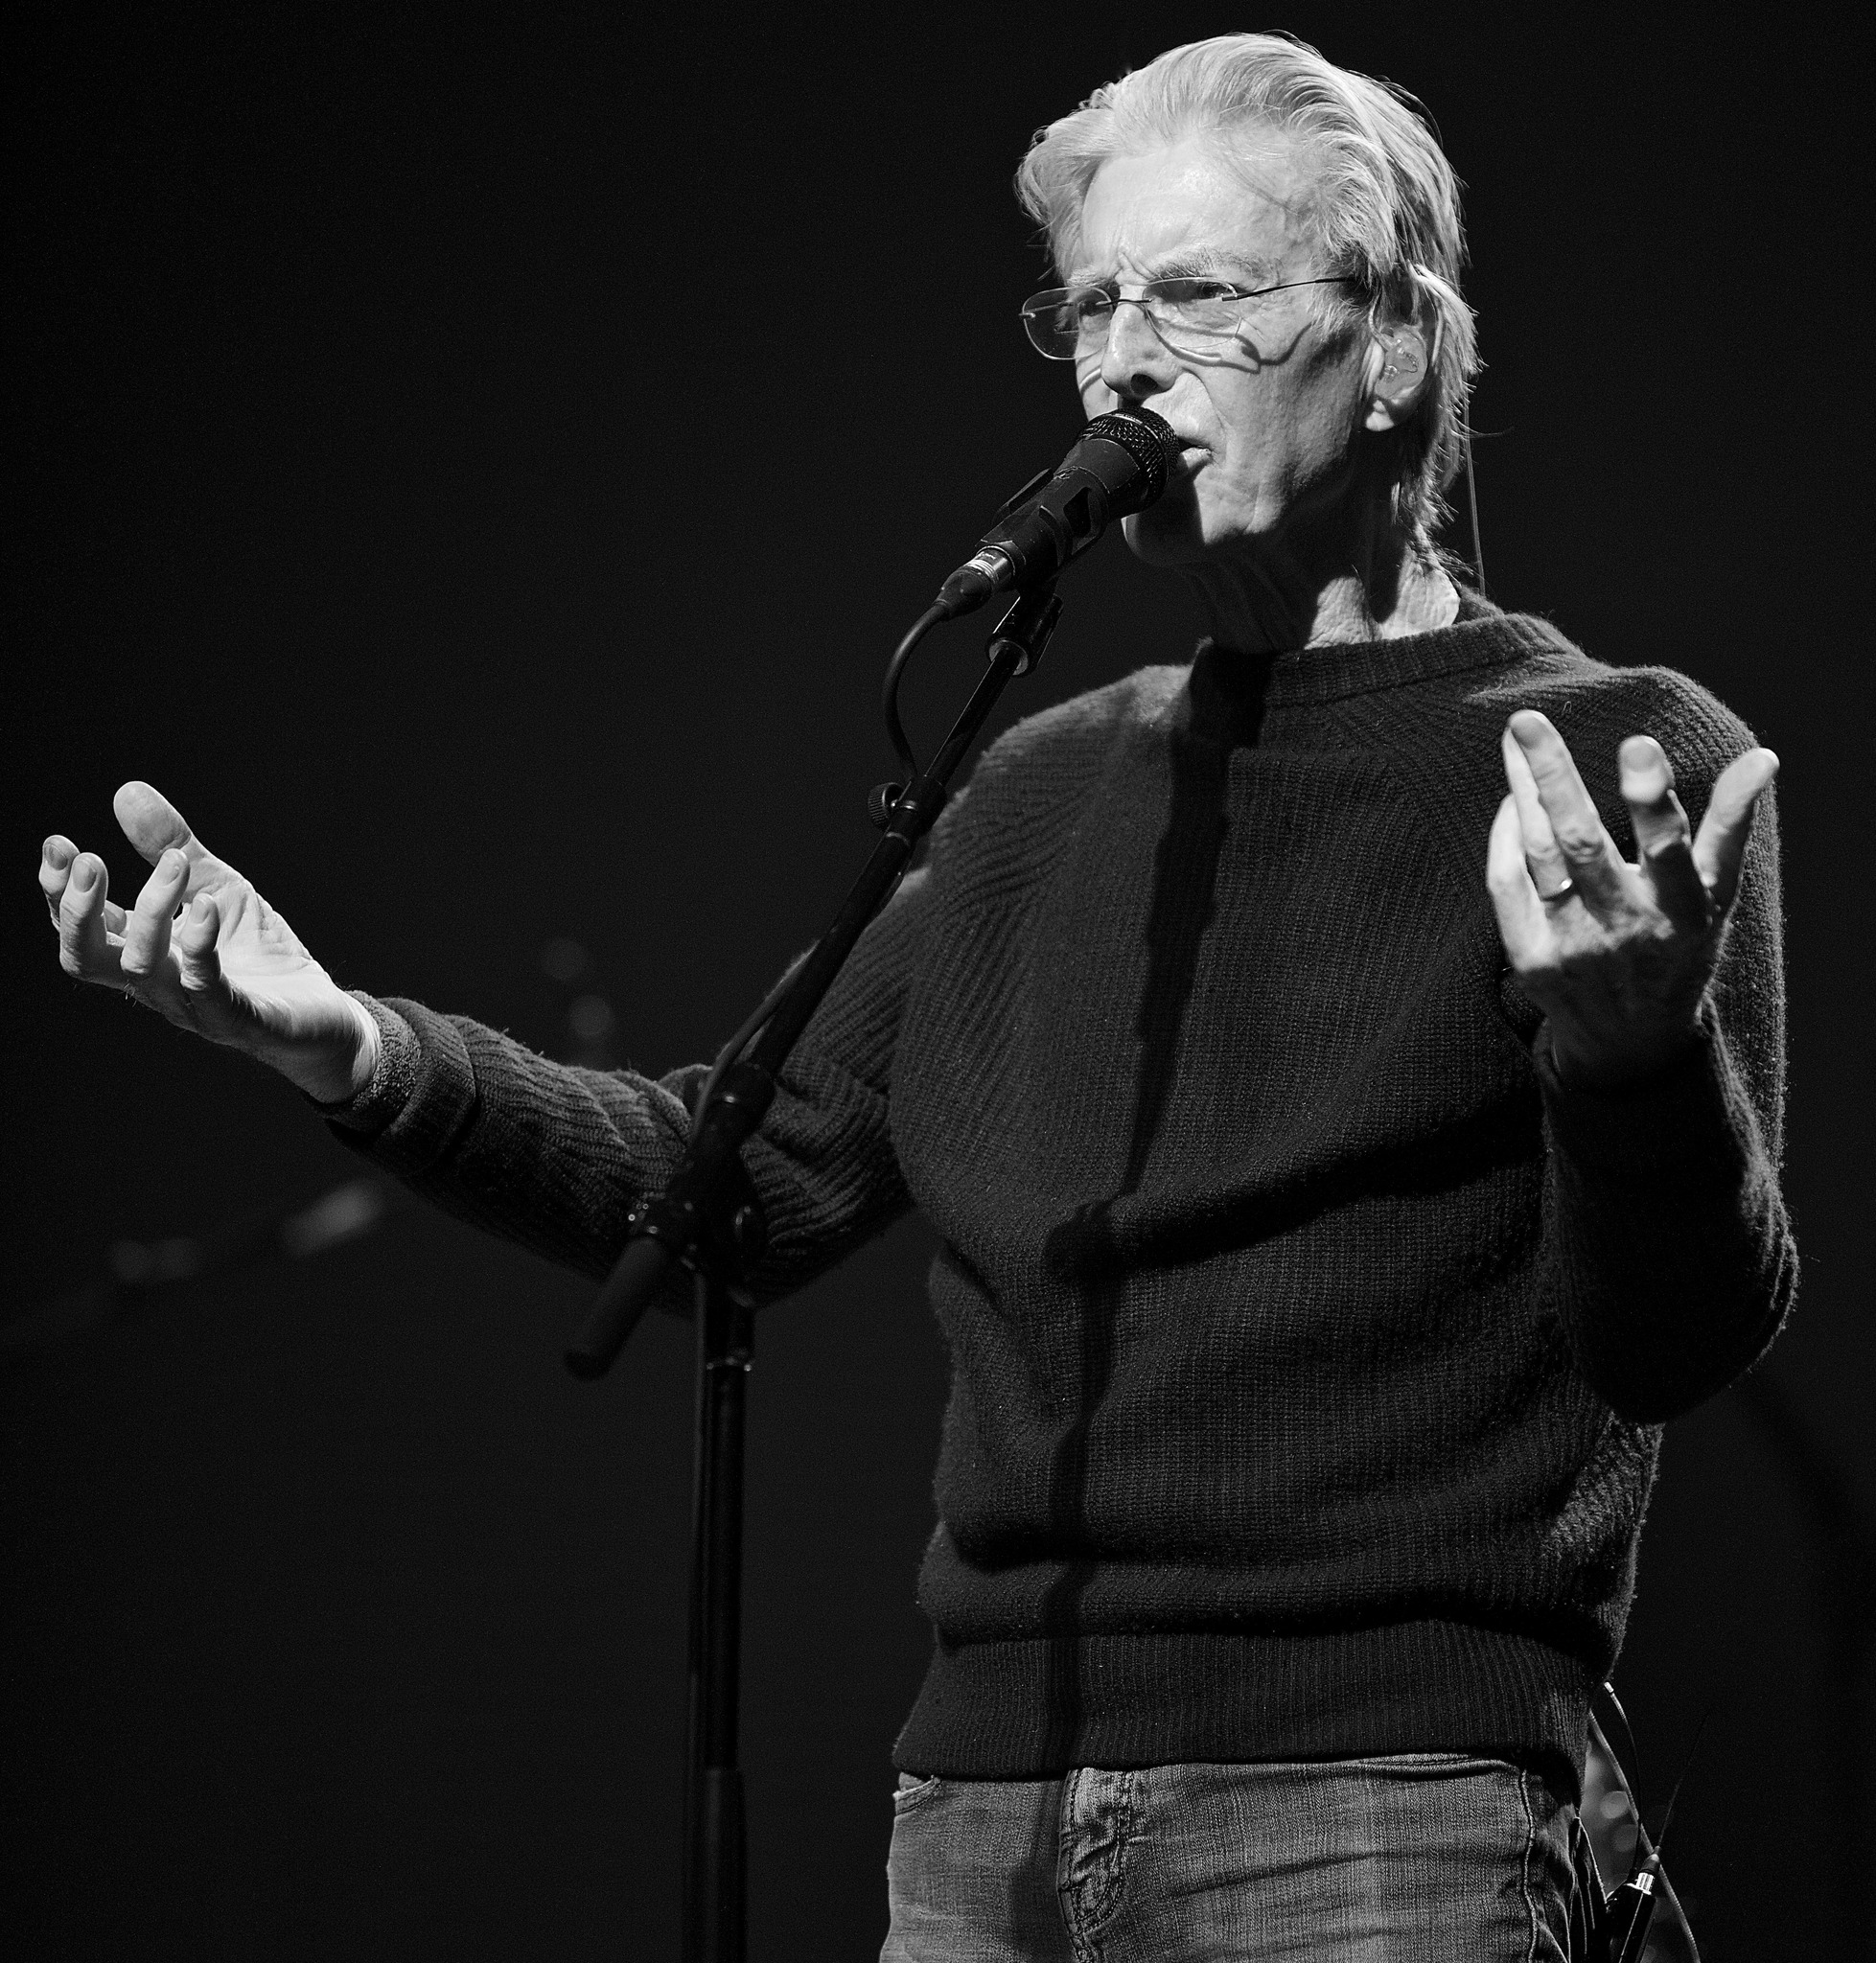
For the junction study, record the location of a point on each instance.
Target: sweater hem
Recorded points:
(1038, 1707)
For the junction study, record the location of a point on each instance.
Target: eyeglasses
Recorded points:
(1190, 315)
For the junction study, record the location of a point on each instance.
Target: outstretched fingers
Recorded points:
(143, 956)
(1554, 801)
(1720, 849)
(86, 950)
(1540, 853)
(213, 1007)
(151, 822)
(1664, 840)
(199, 960)
(1507, 878)
(57, 858)
(198, 965)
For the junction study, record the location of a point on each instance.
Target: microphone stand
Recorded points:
(708, 1219)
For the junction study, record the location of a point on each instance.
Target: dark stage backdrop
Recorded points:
(476, 462)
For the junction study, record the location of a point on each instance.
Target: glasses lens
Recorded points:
(1195, 310)
(1068, 322)
(1064, 322)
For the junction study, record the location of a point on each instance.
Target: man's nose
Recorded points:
(1135, 362)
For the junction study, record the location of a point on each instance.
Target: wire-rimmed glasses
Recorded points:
(1190, 315)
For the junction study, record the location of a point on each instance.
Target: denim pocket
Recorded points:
(1429, 1765)
(914, 1786)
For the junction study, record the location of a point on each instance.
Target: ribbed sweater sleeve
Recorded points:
(1665, 1230)
(1665, 1225)
(1670, 1260)
(541, 1153)
(554, 1156)
(1671, 1257)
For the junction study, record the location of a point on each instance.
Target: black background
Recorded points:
(475, 463)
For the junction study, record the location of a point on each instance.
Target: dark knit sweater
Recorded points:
(1310, 1342)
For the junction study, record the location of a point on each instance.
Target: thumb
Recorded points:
(151, 822)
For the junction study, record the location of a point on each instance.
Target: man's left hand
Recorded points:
(1616, 956)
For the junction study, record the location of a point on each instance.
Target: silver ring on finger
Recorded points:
(1558, 894)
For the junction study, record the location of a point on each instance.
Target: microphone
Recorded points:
(1118, 465)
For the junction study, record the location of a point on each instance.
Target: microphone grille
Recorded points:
(1147, 438)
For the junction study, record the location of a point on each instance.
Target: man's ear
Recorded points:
(1399, 366)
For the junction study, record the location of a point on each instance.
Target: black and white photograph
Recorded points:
(936, 1038)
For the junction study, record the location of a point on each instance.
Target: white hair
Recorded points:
(1386, 214)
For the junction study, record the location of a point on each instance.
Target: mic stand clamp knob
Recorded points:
(880, 800)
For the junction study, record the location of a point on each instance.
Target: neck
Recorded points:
(1314, 588)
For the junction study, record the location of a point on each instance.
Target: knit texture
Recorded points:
(1309, 1341)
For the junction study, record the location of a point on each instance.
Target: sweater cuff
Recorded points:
(421, 1096)
(392, 1078)
(1657, 1132)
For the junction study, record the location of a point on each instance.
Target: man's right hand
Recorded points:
(203, 948)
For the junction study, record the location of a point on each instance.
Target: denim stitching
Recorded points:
(1065, 1860)
(1085, 1920)
(1109, 1904)
(1524, 1866)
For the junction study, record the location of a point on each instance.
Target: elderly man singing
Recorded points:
(1346, 1087)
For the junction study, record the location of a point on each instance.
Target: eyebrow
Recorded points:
(1202, 262)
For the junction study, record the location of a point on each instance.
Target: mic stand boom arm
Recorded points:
(708, 1219)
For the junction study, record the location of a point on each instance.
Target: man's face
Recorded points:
(1270, 418)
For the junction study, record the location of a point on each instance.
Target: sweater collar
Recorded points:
(1229, 694)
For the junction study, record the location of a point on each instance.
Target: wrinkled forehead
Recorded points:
(1240, 205)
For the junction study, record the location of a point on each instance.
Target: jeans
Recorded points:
(1431, 1858)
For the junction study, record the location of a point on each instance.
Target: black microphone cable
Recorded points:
(1629, 1910)
(1119, 464)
